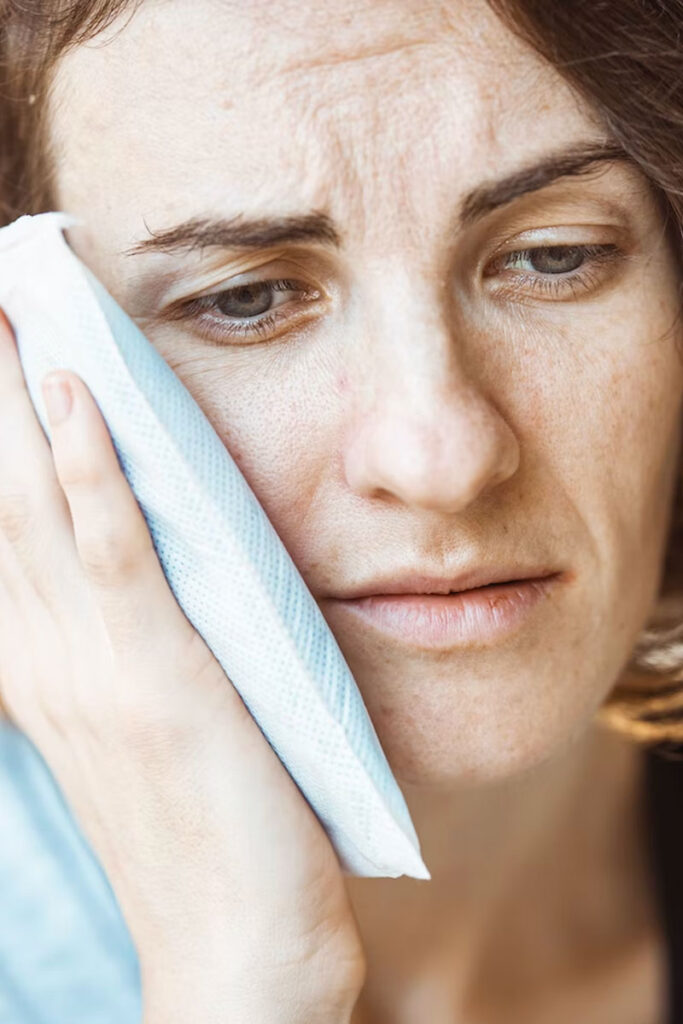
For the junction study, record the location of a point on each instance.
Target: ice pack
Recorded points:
(226, 565)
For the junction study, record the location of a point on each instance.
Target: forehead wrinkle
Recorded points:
(346, 145)
(374, 54)
(435, 30)
(359, 145)
(361, 35)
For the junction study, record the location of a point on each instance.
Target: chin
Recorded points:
(475, 717)
(436, 743)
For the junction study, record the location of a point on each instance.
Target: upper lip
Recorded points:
(407, 582)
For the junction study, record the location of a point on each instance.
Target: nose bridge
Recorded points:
(424, 429)
(409, 331)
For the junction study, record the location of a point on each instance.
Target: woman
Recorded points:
(420, 265)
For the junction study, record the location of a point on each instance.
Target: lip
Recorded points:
(412, 583)
(479, 616)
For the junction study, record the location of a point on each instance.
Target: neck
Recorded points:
(536, 870)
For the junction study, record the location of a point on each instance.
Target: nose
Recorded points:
(425, 432)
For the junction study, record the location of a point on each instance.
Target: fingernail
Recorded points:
(58, 399)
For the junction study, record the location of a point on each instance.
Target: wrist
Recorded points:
(220, 997)
(210, 1006)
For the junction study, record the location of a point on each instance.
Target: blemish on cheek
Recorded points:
(342, 383)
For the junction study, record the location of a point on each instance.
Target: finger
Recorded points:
(112, 538)
(30, 460)
(34, 515)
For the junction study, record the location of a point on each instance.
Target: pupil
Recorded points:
(248, 300)
(558, 260)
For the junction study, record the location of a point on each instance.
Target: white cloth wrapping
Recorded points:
(224, 561)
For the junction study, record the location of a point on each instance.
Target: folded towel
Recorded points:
(226, 565)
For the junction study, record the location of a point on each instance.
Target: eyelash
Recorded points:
(572, 283)
(196, 309)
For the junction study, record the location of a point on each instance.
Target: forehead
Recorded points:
(347, 106)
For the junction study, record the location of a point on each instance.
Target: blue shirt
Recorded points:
(66, 956)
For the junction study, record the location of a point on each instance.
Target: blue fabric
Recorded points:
(66, 956)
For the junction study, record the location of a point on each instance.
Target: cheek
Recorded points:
(617, 440)
(276, 415)
(595, 401)
(640, 456)
(634, 421)
(600, 398)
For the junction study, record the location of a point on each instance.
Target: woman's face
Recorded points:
(420, 394)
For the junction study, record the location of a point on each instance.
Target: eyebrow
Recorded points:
(566, 164)
(241, 232)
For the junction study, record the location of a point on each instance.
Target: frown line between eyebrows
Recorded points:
(241, 232)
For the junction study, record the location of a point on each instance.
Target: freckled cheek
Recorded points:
(282, 447)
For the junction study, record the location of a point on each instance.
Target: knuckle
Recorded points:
(150, 727)
(111, 557)
(80, 474)
(15, 516)
(79, 471)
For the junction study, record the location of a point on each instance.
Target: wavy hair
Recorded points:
(625, 57)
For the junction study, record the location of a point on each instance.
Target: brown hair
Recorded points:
(623, 56)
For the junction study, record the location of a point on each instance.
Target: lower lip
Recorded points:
(440, 621)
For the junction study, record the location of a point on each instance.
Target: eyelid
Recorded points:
(223, 274)
(600, 251)
(555, 212)
(587, 279)
(221, 329)
(569, 233)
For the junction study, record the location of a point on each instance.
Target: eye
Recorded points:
(247, 310)
(560, 271)
(249, 299)
(558, 259)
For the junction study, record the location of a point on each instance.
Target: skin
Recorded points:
(431, 410)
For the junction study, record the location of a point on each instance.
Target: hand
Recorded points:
(226, 879)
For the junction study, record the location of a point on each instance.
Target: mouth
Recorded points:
(470, 617)
(475, 578)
